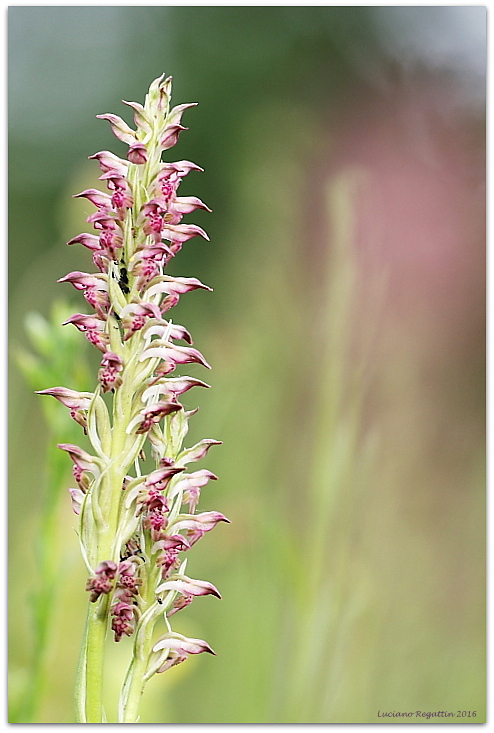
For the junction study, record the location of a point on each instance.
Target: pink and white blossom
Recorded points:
(179, 647)
(130, 528)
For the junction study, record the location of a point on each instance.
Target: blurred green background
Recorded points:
(344, 155)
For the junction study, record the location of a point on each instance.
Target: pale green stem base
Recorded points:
(135, 680)
(95, 644)
(135, 676)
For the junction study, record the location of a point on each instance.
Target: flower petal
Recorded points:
(137, 154)
(197, 451)
(182, 644)
(183, 584)
(77, 497)
(120, 129)
(141, 117)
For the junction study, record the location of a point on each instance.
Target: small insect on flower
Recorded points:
(123, 280)
(131, 549)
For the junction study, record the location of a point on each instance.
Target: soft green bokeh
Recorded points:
(345, 331)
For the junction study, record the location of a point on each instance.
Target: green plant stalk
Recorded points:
(137, 671)
(94, 642)
(97, 621)
(136, 681)
(94, 661)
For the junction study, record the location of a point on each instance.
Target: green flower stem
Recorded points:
(137, 670)
(95, 642)
(97, 622)
(135, 679)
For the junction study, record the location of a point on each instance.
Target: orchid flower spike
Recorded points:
(137, 521)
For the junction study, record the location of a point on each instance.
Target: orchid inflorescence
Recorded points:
(133, 527)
